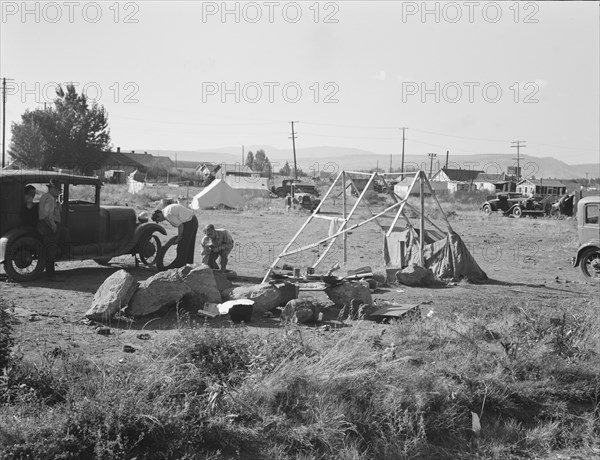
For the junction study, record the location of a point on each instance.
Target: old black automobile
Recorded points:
(94, 232)
(588, 228)
(514, 204)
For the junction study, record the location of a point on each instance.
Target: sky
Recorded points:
(469, 77)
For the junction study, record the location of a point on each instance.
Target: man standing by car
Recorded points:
(187, 226)
(49, 214)
(215, 244)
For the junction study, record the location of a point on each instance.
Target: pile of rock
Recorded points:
(193, 285)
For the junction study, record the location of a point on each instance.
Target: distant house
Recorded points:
(541, 187)
(152, 162)
(115, 166)
(495, 182)
(187, 167)
(456, 179)
(205, 169)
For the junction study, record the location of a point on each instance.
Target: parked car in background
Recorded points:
(588, 231)
(515, 205)
(293, 187)
(95, 232)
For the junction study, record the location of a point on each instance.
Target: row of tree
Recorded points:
(72, 133)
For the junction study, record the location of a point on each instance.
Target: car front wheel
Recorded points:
(590, 264)
(517, 212)
(487, 209)
(24, 259)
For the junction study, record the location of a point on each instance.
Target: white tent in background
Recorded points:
(249, 186)
(217, 193)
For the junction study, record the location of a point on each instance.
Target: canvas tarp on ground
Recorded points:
(448, 257)
(216, 194)
(249, 186)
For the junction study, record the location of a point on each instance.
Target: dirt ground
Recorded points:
(527, 261)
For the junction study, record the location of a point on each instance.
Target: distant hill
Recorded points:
(330, 159)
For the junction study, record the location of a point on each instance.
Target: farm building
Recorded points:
(152, 162)
(494, 183)
(115, 166)
(455, 179)
(541, 187)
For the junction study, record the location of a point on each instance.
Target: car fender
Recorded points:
(509, 211)
(590, 244)
(12, 235)
(148, 227)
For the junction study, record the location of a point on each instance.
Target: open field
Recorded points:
(520, 352)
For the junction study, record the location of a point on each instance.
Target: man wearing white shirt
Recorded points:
(187, 225)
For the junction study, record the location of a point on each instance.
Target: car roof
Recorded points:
(38, 176)
(590, 199)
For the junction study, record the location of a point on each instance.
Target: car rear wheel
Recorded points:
(149, 248)
(487, 209)
(24, 259)
(517, 212)
(590, 264)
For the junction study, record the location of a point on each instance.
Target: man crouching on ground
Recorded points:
(215, 244)
(187, 226)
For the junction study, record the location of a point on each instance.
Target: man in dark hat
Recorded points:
(49, 214)
(186, 223)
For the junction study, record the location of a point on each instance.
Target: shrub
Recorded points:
(6, 334)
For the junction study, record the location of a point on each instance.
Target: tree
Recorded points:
(259, 160)
(267, 167)
(250, 160)
(71, 134)
(285, 171)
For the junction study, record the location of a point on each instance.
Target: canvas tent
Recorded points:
(441, 251)
(216, 194)
(249, 186)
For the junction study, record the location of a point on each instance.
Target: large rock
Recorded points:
(159, 291)
(223, 283)
(203, 285)
(266, 296)
(415, 275)
(111, 296)
(342, 294)
(300, 311)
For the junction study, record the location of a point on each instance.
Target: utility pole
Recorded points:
(243, 158)
(391, 170)
(4, 122)
(518, 145)
(431, 157)
(402, 163)
(293, 137)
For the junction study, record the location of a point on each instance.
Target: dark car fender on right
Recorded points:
(595, 244)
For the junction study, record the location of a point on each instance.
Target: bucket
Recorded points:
(296, 273)
(310, 271)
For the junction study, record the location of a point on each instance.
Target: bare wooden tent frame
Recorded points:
(399, 204)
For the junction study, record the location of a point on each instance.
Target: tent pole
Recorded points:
(278, 258)
(345, 237)
(412, 185)
(426, 218)
(340, 232)
(438, 205)
(422, 220)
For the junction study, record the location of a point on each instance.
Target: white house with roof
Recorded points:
(541, 187)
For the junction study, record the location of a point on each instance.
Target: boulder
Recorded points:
(342, 294)
(202, 282)
(223, 282)
(159, 291)
(111, 296)
(266, 296)
(299, 311)
(415, 275)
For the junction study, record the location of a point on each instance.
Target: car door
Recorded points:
(82, 214)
